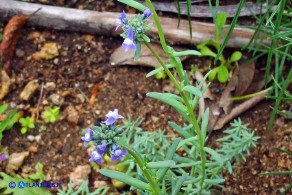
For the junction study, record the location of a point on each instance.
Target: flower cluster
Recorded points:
(104, 138)
(134, 29)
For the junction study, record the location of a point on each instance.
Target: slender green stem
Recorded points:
(154, 185)
(190, 111)
(193, 119)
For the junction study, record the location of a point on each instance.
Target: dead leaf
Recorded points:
(29, 89)
(6, 83)
(237, 110)
(15, 161)
(245, 78)
(72, 115)
(239, 83)
(88, 38)
(48, 51)
(11, 35)
(80, 174)
(225, 103)
(120, 57)
(94, 91)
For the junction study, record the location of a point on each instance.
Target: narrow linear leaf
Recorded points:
(125, 178)
(134, 4)
(183, 132)
(214, 154)
(189, 6)
(214, 181)
(157, 70)
(160, 164)
(3, 108)
(179, 184)
(233, 23)
(169, 156)
(185, 53)
(205, 121)
(168, 98)
(277, 173)
(193, 90)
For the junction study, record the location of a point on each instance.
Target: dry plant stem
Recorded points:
(179, 88)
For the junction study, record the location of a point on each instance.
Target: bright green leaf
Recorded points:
(3, 108)
(221, 19)
(134, 4)
(235, 56)
(206, 51)
(23, 130)
(212, 74)
(223, 74)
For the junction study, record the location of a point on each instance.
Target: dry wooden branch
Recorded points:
(94, 22)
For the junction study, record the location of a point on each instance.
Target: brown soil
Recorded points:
(83, 64)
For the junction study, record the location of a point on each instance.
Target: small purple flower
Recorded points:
(87, 137)
(128, 43)
(3, 157)
(121, 20)
(95, 157)
(147, 13)
(101, 148)
(112, 116)
(118, 153)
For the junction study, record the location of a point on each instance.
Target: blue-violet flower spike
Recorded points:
(128, 43)
(101, 148)
(112, 116)
(87, 137)
(118, 153)
(147, 13)
(121, 20)
(95, 157)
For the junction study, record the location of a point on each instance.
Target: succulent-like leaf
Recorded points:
(235, 56)
(223, 74)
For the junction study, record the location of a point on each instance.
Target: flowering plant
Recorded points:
(105, 139)
(195, 172)
(134, 30)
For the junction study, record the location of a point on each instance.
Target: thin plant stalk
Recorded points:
(193, 119)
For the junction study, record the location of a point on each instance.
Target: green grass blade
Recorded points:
(232, 26)
(189, 6)
(178, 12)
(273, 41)
(279, 100)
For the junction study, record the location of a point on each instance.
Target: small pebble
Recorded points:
(30, 138)
(56, 61)
(38, 138)
(33, 149)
